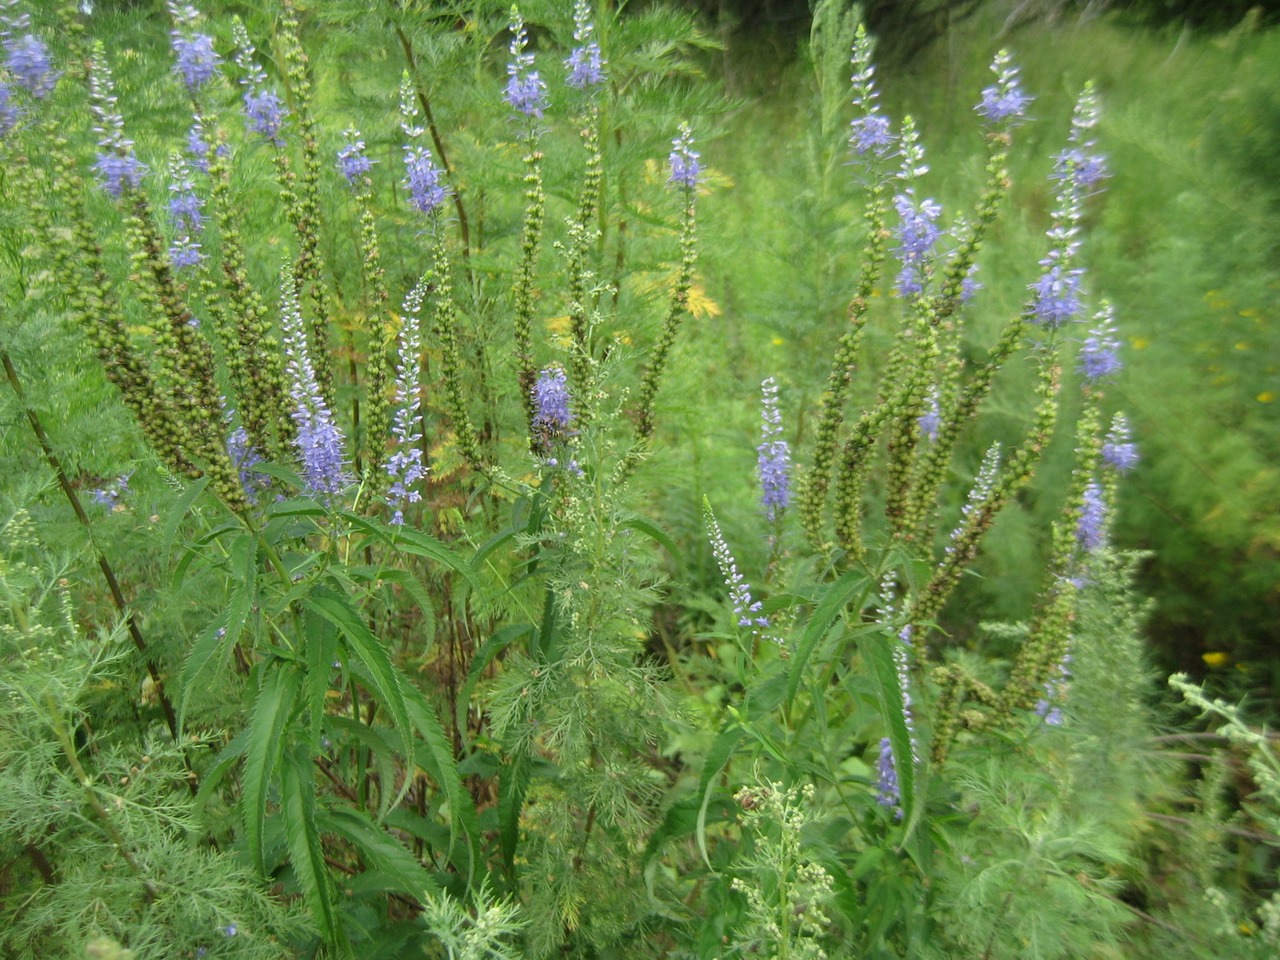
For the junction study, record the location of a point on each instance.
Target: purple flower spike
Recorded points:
(405, 466)
(871, 135)
(526, 92)
(585, 67)
(28, 61)
(264, 114)
(745, 608)
(196, 60)
(931, 419)
(685, 165)
(887, 792)
(773, 463)
(1057, 296)
(423, 177)
(917, 234)
(1100, 352)
(1091, 529)
(8, 111)
(119, 173)
(1004, 104)
(1049, 707)
(185, 252)
(352, 162)
(1118, 451)
(551, 413)
(319, 441)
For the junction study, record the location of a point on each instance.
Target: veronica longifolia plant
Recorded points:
(415, 663)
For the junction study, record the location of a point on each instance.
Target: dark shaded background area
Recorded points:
(905, 27)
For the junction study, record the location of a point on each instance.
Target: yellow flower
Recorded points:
(777, 341)
(1266, 396)
(1215, 659)
(1140, 343)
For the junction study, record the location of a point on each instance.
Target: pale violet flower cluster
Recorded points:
(246, 458)
(1100, 352)
(264, 111)
(551, 414)
(1049, 707)
(1091, 527)
(773, 461)
(1057, 294)
(931, 419)
(1119, 452)
(685, 162)
(917, 227)
(526, 92)
(584, 64)
(319, 441)
(195, 59)
(981, 489)
(1004, 104)
(745, 608)
(424, 180)
(116, 164)
(405, 466)
(887, 791)
(353, 163)
(870, 133)
(30, 65)
(186, 214)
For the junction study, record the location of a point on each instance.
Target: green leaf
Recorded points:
(289, 477)
(306, 853)
(408, 582)
(381, 852)
(212, 649)
(422, 545)
(654, 533)
(368, 649)
(443, 767)
(498, 641)
(833, 602)
(717, 757)
(170, 529)
(321, 649)
(381, 742)
(878, 649)
(512, 787)
(276, 696)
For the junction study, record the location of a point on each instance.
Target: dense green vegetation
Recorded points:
(247, 713)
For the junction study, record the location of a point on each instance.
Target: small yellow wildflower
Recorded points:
(1215, 658)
